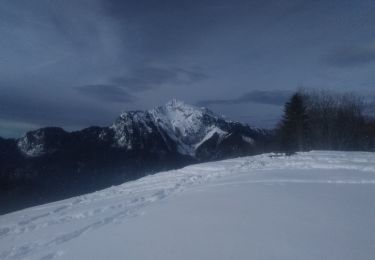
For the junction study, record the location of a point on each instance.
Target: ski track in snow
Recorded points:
(82, 214)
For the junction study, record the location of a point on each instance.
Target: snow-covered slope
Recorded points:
(317, 205)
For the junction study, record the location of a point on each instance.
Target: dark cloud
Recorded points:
(269, 97)
(19, 108)
(110, 93)
(168, 27)
(149, 77)
(352, 56)
(142, 78)
(134, 54)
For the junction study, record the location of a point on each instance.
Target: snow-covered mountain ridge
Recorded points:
(51, 163)
(187, 126)
(178, 126)
(316, 205)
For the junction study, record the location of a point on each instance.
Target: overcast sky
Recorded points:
(76, 63)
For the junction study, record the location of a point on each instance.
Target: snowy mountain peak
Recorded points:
(41, 141)
(32, 144)
(188, 127)
(131, 127)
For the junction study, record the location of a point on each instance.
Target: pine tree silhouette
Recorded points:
(294, 126)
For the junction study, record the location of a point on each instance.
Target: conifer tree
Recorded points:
(294, 125)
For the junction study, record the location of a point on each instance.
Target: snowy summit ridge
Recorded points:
(187, 126)
(175, 127)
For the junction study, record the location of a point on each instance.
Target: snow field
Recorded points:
(316, 205)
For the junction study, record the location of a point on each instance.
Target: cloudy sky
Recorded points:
(75, 63)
